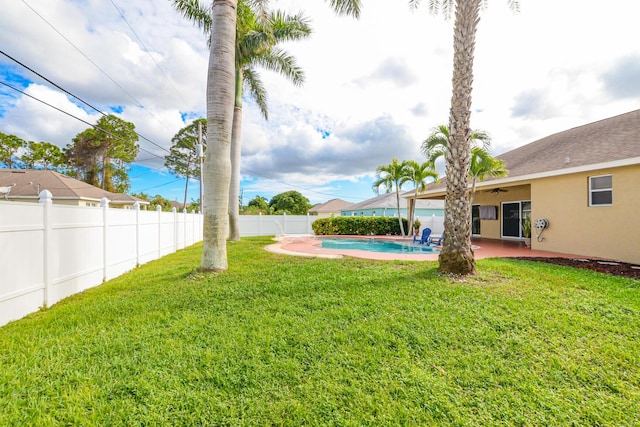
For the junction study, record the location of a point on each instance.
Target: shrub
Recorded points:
(358, 225)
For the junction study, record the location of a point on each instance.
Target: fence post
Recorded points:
(259, 223)
(46, 201)
(159, 210)
(175, 229)
(104, 204)
(308, 223)
(284, 224)
(184, 235)
(136, 206)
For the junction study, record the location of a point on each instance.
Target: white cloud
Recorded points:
(374, 87)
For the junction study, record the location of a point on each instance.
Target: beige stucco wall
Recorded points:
(575, 228)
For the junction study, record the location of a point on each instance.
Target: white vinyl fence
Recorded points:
(49, 252)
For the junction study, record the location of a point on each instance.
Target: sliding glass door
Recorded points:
(512, 215)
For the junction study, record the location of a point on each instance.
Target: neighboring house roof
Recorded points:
(388, 200)
(333, 205)
(30, 182)
(614, 141)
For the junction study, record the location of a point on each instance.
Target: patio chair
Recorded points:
(436, 241)
(426, 233)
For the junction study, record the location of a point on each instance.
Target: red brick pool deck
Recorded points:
(483, 248)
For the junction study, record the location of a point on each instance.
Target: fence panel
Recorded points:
(73, 250)
(49, 252)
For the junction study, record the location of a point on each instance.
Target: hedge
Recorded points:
(358, 225)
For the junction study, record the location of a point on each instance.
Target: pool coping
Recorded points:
(310, 246)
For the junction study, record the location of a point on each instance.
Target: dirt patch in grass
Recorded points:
(614, 268)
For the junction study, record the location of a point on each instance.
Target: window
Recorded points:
(601, 190)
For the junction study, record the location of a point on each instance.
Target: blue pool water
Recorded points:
(373, 245)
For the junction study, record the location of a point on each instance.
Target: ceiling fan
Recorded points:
(496, 191)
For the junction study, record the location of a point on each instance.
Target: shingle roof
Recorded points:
(28, 182)
(333, 205)
(613, 139)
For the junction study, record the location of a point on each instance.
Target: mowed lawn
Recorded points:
(294, 341)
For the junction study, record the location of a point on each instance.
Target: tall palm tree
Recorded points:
(392, 177)
(483, 165)
(256, 46)
(419, 174)
(456, 256)
(220, 106)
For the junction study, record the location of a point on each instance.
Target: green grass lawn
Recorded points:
(293, 341)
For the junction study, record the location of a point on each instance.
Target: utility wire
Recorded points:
(150, 56)
(75, 117)
(72, 95)
(138, 103)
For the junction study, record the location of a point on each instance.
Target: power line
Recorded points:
(138, 103)
(150, 56)
(72, 95)
(71, 115)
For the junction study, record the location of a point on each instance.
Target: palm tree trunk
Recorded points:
(217, 167)
(399, 215)
(236, 151)
(456, 256)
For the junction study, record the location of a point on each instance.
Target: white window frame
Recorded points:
(600, 190)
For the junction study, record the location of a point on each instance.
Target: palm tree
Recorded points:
(436, 145)
(220, 104)
(419, 173)
(220, 96)
(256, 46)
(483, 165)
(456, 256)
(392, 177)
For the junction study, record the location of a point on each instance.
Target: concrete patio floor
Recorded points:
(483, 248)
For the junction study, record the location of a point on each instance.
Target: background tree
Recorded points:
(99, 156)
(82, 157)
(419, 175)
(456, 256)
(183, 159)
(10, 145)
(392, 177)
(290, 202)
(155, 201)
(43, 155)
(258, 205)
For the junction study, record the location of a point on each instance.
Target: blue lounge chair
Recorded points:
(426, 233)
(436, 241)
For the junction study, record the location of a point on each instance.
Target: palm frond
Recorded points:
(347, 7)
(256, 90)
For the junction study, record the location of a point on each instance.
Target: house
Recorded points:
(330, 208)
(580, 187)
(386, 205)
(25, 185)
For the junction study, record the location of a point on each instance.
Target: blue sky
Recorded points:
(374, 88)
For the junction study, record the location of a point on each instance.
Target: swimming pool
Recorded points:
(374, 245)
